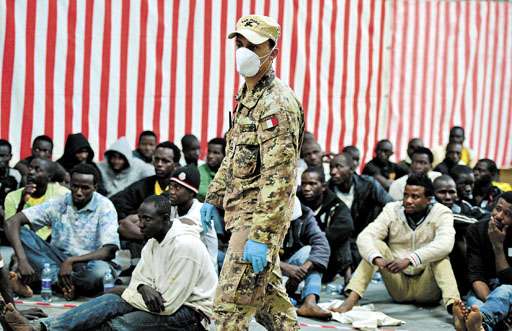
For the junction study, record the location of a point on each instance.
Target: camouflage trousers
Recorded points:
(242, 294)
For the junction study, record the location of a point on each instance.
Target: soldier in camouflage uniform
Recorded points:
(255, 186)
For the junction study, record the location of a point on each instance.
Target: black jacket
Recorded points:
(480, 255)
(334, 218)
(445, 167)
(369, 199)
(304, 231)
(127, 201)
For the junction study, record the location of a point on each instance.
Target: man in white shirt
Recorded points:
(172, 286)
(183, 188)
(422, 160)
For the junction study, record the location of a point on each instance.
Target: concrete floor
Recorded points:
(416, 318)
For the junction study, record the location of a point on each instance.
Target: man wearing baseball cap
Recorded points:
(255, 185)
(183, 189)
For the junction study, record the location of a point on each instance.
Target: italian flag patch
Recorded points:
(270, 122)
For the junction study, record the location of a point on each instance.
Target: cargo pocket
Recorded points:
(239, 284)
(246, 159)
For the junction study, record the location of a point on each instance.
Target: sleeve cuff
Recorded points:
(415, 259)
(373, 256)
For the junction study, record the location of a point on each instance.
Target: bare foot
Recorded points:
(15, 319)
(474, 319)
(459, 315)
(342, 309)
(348, 304)
(18, 287)
(313, 310)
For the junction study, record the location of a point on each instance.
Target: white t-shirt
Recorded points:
(347, 198)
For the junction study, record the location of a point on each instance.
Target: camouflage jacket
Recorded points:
(255, 183)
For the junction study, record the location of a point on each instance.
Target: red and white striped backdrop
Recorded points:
(364, 70)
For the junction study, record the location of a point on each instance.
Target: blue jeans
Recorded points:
(87, 277)
(111, 312)
(313, 280)
(497, 306)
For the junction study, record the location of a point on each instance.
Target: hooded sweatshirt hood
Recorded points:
(74, 143)
(136, 169)
(122, 147)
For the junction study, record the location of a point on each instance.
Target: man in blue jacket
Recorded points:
(305, 257)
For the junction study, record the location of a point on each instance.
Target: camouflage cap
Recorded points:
(257, 29)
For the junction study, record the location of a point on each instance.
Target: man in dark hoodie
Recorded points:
(452, 158)
(78, 150)
(305, 256)
(333, 217)
(120, 168)
(127, 202)
(363, 195)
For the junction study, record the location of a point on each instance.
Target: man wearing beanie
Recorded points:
(255, 185)
(183, 189)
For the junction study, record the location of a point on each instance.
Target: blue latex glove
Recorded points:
(209, 212)
(256, 253)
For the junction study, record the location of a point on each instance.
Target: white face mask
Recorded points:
(247, 62)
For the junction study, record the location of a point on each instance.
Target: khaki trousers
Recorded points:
(435, 282)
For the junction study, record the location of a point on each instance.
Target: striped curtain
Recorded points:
(364, 70)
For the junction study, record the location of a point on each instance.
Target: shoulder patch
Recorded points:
(270, 122)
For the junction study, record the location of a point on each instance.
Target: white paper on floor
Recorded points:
(361, 317)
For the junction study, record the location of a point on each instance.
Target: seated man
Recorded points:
(216, 153)
(165, 161)
(172, 287)
(412, 145)
(486, 192)
(313, 156)
(146, 146)
(120, 169)
(84, 237)
(356, 155)
(38, 190)
(464, 182)
(446, 193)
(409, 243)
(456, 135)
(304, 257)
(363, 195)
(452, 158)
(42, 147)
(333, 217)
(381, 168)
(10, 178)
(422, 159)
(490, 270)
(191, 149)
(183, 189)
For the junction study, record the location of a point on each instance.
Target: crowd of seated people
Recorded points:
(436, 226)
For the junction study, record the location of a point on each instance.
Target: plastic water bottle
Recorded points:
(108, 281)
(46, 283)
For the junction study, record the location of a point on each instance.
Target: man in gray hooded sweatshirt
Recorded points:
(120, 168)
